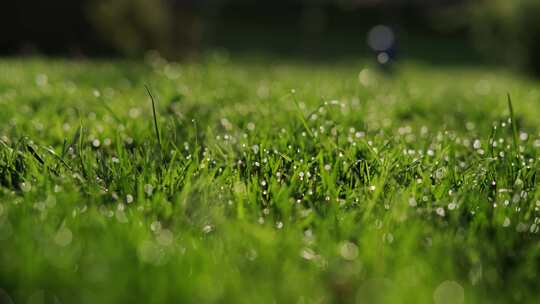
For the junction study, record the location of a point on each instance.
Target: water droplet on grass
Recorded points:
(121, 216)
(388, 238)
(63, 237)
(41, 80)
(348, 251)
(449, 292)
(155, 226)
(440, 211)
(252, 254)
(134, 112)
(207, 229)
(308, 254)
(25, 186)
(148, 189)
(165, 237)
(383, 58)
(522, 227)
(149, 252)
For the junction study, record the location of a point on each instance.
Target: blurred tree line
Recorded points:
(507, 31)
(501, 29)
(180, 27)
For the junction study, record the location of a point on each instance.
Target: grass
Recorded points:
(261, 181)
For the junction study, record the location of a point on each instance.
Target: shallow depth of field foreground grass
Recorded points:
(269, 182)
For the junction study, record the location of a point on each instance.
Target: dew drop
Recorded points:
(449, 292)
(348, 251)
(63, 237)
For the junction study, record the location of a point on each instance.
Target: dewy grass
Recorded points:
(418, 187)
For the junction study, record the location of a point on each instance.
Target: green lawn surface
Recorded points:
(271, 181)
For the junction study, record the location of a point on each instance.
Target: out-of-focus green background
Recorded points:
(437, 31)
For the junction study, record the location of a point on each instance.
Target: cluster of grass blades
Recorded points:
(322, 201)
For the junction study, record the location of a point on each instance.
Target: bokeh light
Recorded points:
(381, 38)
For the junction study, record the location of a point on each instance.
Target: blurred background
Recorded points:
(437, 31)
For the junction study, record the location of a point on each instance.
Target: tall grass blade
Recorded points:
(154, 114)
(514, 125)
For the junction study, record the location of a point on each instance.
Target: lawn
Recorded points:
(267, 181)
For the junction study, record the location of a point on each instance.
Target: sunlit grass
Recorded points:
(267, 182)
